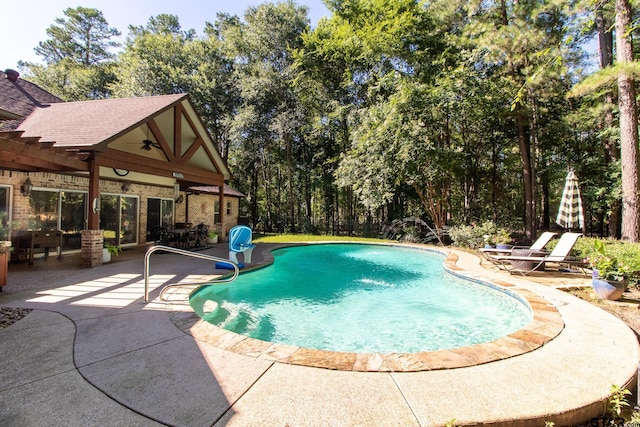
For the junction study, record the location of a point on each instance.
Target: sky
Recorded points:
(24, 22)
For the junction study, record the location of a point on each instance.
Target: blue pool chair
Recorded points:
(240, 242)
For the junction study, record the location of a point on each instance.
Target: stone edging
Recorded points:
(547, 323)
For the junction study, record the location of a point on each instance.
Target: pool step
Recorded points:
(240, 323)
(218, 316)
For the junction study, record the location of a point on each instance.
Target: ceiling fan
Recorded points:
(147, 144)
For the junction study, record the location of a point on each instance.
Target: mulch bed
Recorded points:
(9, 316)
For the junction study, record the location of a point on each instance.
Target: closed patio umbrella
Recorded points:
(570, 214)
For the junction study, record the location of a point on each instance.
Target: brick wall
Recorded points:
(201, 206)
(201, 210)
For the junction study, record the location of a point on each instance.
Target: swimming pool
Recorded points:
(363, 299)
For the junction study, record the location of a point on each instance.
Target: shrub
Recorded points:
(475, 236)
(614, 259)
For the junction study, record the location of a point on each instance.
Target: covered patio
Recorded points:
(120, 167)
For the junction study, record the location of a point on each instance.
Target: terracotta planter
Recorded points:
(4, 262)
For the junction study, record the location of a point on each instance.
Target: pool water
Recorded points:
(361, 298)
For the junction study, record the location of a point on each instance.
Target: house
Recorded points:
(111, 169)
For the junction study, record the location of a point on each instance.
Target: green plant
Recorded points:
(614, 260)
(503, 236)
(618, 400)
(475, 236)
(212, 235)
(114, 250)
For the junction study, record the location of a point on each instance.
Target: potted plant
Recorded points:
(503, 239)
(108, 251)
(610, 274)
(5, 248)
(488, 241)
(212, 237)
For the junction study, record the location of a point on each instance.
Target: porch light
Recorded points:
(126, 186)
(26, 187)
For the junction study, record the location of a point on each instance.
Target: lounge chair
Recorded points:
(525, 264)
(240, 242)
(538, 245)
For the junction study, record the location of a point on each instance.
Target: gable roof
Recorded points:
(88, 123)
(109, 132)
(21, 97)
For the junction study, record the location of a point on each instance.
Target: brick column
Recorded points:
(92, 241)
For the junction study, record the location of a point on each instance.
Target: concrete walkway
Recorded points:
(91, 353)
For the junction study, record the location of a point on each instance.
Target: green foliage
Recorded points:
(618, 400)
(614, 259)
(112, 249)
(83, 36)
(476, 236)
(78, 54)
(387, 109)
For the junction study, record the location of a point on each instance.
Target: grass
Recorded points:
(300, 238)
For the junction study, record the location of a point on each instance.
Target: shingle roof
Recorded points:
(21, 97)
(87, 123)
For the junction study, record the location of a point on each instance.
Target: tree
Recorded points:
(78, 56)
(154, 60)
(264, 48)
(83, 37)
(522, 44)
(628, 123)
(360, 56)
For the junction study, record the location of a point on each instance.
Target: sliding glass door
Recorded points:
(119, 218)
(159, 214)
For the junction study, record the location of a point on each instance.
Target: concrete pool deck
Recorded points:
(92, 353)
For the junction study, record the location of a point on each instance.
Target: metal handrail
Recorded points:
(151, 250)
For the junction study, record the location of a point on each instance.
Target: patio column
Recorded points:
(222, 208)
(92, 238)
(94, 196)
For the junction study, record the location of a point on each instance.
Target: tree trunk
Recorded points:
(611, 150)
(292, 204)
(628, 124)
(524, 143)
(527, 178)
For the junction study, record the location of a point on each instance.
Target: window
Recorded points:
(59, 210)
(159, 214)
(5, 192)
(73, 218)
(119, 218)
(228, 208)
(43, 210)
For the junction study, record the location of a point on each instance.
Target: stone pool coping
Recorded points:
(547, 323)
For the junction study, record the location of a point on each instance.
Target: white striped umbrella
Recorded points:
(570, 214)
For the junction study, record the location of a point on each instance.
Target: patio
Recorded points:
(92, 353)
